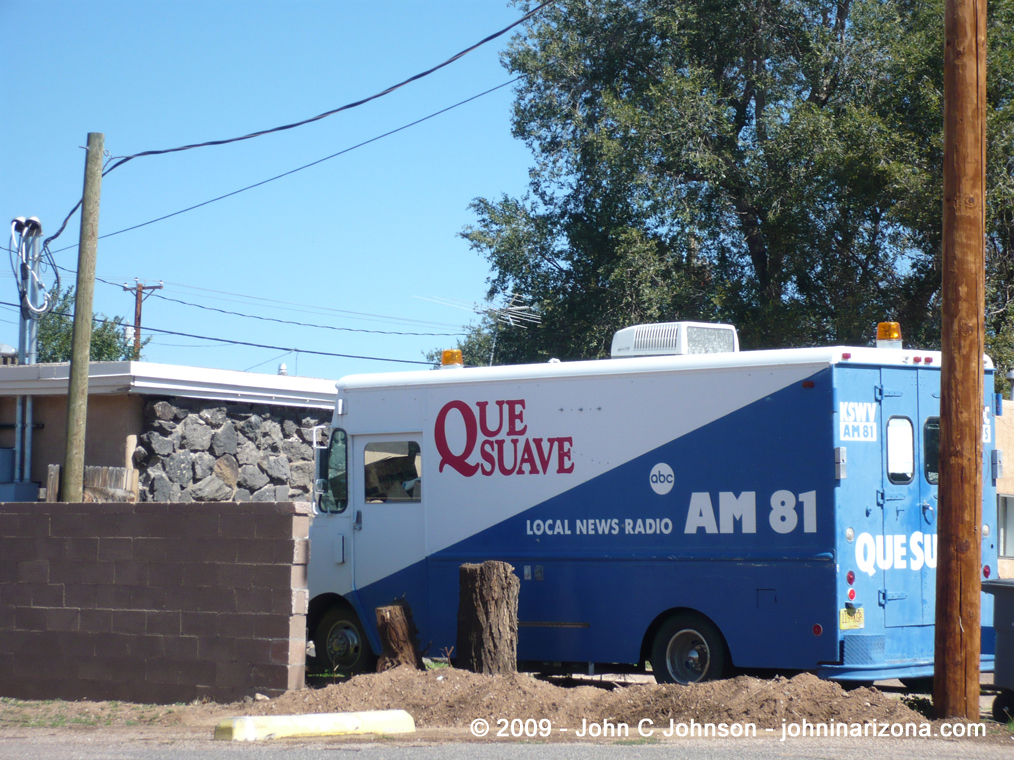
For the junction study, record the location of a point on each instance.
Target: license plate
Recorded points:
(851, 619)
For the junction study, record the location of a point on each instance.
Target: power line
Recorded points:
(284, 304)
(268, 361)
(282, 348)
(245, 343)
(180, 345)
(299, 169)
(287, 306)
(124, 159)
(301, 324)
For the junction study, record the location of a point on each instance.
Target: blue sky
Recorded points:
(368, 232)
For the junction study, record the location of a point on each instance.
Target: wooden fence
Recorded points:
(101, 484)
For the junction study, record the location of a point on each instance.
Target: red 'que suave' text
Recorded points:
(511, 453)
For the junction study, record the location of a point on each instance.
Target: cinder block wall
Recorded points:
(151, 602)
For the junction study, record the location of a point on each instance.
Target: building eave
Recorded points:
(148, 379)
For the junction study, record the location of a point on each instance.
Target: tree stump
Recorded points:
(397, 635)
(488, 618)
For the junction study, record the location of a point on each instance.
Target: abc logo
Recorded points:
(661, 478)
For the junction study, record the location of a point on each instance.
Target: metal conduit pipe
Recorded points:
(29, 409)
(18, 431)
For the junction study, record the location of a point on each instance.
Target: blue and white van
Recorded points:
(697, 511)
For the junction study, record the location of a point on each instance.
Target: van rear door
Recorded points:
(901, 555)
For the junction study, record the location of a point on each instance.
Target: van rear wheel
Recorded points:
(923, 684)
(688, 648)
(1003, 706)
(341, 644)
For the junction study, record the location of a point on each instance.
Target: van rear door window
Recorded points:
(931, 449)
(900, 450)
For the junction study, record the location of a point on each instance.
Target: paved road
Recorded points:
(109, 745)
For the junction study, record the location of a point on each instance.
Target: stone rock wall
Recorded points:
(199, 450)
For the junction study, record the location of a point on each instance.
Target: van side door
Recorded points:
(389, 536)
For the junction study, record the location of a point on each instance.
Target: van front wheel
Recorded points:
(341, 644)
(688, 649)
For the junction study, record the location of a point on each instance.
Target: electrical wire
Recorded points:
(301, 324)
(180, 345)
(283, 305)
(301, 168)
(355, 104)
(282, 348)
(29, 264)
(229, 341)
(269, 361)
(365, 316)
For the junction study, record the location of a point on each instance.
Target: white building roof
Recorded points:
(144, 378)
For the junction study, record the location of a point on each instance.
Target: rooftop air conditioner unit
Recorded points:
(667, 338)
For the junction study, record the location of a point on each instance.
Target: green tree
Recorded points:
(775, 164)
(1000, 193)
(56, 330)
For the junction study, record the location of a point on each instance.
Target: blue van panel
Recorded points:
(599, 593)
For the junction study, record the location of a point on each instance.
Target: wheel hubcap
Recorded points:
(343, 645)
(688, 657)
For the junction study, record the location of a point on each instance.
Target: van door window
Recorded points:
(931, 449)
(335, 497)
(1006, 521)
(900, 450)
(393, 471)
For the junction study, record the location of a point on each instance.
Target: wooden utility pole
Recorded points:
(138, 300)
(956, 682)
(72, 476)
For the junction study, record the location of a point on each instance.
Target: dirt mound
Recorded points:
(766, 703)
(449, 698)
(445, 697)
(453, 698)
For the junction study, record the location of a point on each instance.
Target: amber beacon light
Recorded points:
(451, 359)
(888, 335)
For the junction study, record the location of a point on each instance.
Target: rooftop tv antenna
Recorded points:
(514, 313)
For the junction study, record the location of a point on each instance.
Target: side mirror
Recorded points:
(319, 438)
(320, 452)
(330, 483)
(320, 485)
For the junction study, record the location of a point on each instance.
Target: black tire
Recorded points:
(688, 649)
(341, 644)
(920, 685)
(1003, 707)
(853, 685)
